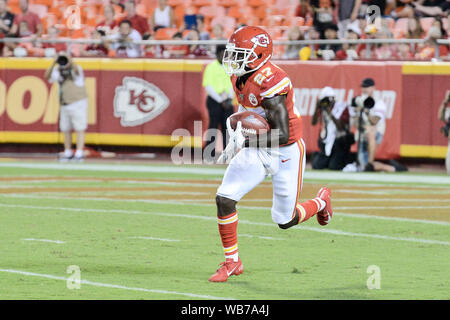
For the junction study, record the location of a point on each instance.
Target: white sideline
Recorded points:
(44, 240)
(187, 202)
(115, 286)
(315, 229)
(207, 170)
(153, 238)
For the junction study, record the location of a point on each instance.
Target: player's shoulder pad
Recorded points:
(274, 81)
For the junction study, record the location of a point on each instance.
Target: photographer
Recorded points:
(369, 117)
(444, 115)
(73, 101)
(335, 139)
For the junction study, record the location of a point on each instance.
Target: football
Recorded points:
(252, 123)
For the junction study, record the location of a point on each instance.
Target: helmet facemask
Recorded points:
(235, 60)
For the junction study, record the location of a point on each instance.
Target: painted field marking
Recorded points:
(115, 286)
(206, 170)
(355, 215)
(393, 207)
(391, 192)
(259, 237)
(315, 229)
(153, 238)
(44, 240)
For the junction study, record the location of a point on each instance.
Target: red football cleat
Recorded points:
(324, 216)
(228, 268)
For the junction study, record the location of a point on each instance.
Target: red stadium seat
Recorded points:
(165, 33)
(426, 23)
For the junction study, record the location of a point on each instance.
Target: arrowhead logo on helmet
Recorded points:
(248, 49)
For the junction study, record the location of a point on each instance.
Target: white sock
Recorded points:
(78, 153)
(68, 153)
(234, 256)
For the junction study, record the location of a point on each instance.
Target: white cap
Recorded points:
(354, 26)
(327, 92)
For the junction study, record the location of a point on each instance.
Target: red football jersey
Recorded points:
(267, 82)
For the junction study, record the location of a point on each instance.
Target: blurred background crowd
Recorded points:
(119, 25)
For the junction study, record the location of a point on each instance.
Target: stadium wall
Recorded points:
(141, 102)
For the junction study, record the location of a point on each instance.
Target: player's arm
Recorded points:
(278, 119)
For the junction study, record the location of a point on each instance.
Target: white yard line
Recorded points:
(258, 237)
(115, 286)
(181, 202)
(157, 239)
(208, 170)
(315, 229)
(44, 240)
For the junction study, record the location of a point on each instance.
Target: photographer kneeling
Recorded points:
(335, 139)
(444, 115)
(369, 117)
(73, 103)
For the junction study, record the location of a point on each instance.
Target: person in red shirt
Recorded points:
(139, 23)
(109, 25)
(32, 20)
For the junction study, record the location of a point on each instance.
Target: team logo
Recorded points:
(137, 101)
(252, 99)
(261, 40)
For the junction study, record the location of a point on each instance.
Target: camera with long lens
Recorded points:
(62, 60)
(446, 129)
(366, 102)
(325, 102)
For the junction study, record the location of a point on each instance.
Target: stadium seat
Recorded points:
(273, 20)
(228, 23)
(165, 33)
(240, 13)
(295, 21)
(426, 23)
(203, 3)
(211, 11)
(401, 26)
(39, 9)
(229, 3)
(262, 12)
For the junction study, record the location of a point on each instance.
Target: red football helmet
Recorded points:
(248, 49)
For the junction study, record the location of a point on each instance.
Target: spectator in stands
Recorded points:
(329, 51)
(119, 3)
(313, 34)
(219, 98)
(347, 14)
(384, 51)
(218, 33)
(303, 9)
(123, 42)
(6, 18)
(353, 33)
(415, 30)
(53, 34)
(95, 49)
(292, 50)
(178, 51)
(109, 24)
(138, 22)
(427, 51)
(431, 8)
(204, 34)
(195, 50)
(335, 138)
(323, 14)
(402, 9)
(162, 17)
(73, 101)
(32, 24)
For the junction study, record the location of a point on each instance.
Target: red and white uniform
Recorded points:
(285, 164)
(267, 82)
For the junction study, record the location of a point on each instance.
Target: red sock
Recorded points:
(309, 208)
(228, 234)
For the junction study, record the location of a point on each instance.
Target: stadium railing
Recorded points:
(368, 42)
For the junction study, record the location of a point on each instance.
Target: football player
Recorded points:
(264, 88)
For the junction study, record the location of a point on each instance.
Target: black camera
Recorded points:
(62, 60)
(365, 102)
(445, 129)
(325, 102)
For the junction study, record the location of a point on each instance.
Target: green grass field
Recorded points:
(149, 232)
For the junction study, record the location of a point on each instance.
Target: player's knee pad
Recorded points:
(225, 206)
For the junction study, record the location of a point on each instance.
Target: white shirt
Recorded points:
(133, 50)
(77, 79)
(379, 110)
(162, 17)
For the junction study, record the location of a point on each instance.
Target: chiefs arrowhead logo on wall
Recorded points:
(137, 101)
(261, 40)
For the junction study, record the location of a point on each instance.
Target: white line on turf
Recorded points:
(153, 238)
(164, 214)
(180, 203)
(44, 240)
(199, 170)
(259, 237)
(115, 286)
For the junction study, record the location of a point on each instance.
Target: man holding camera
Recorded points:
(335, 138)
(369, 117)
(444, 115)
(73, 103)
